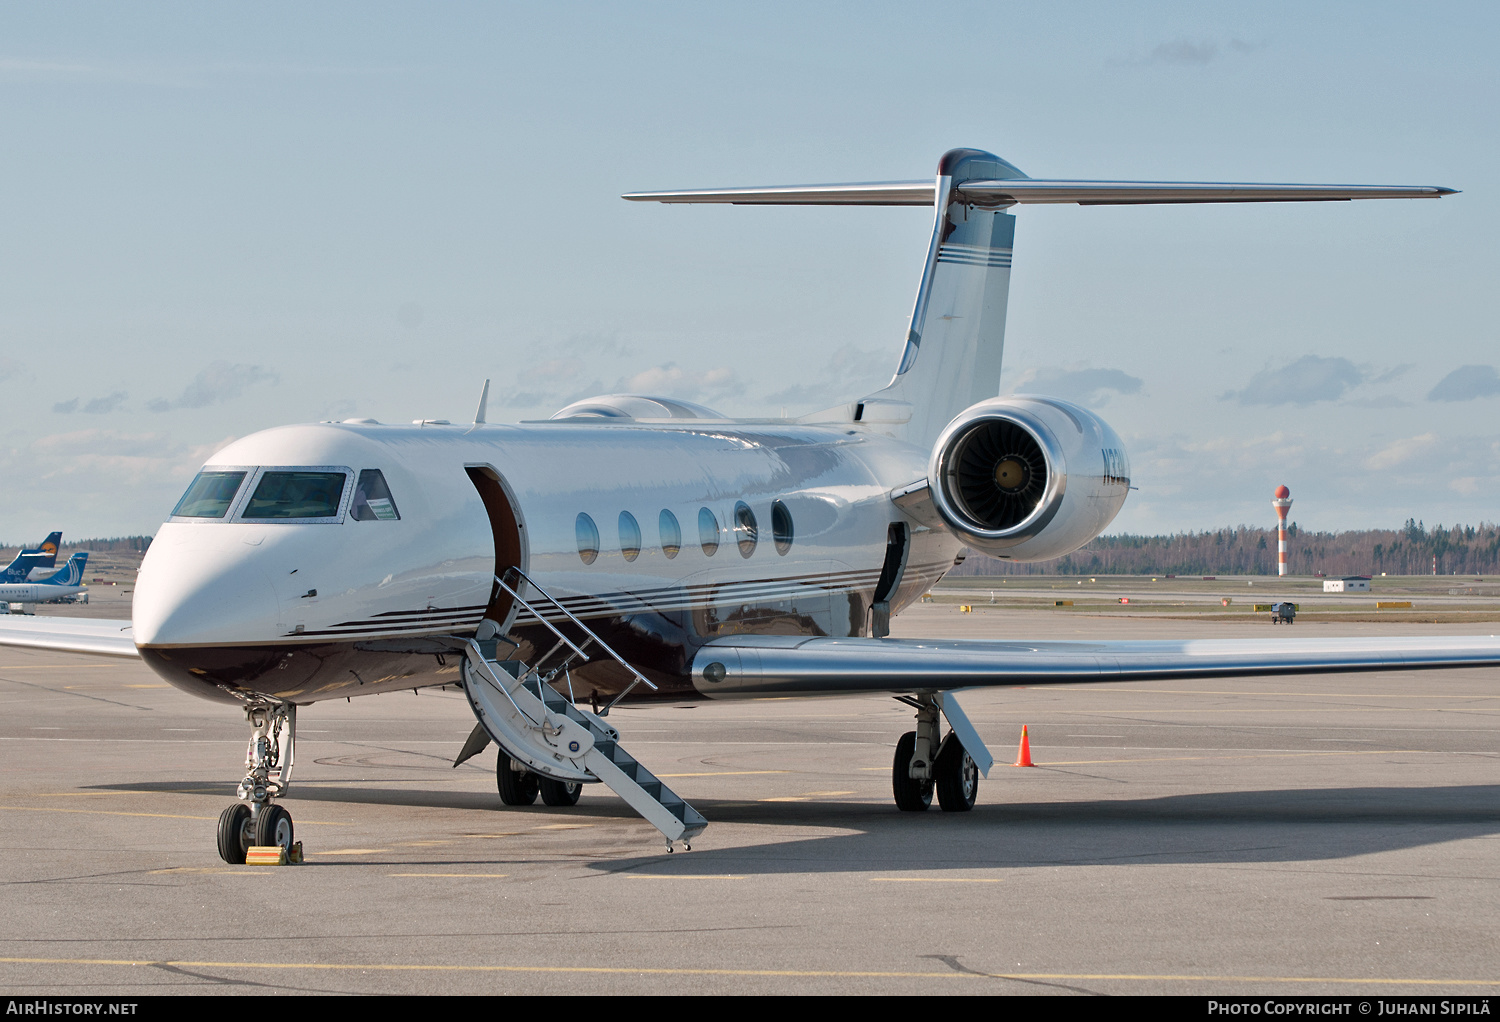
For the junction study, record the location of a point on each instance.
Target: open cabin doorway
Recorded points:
(506, 529)
(890, 579)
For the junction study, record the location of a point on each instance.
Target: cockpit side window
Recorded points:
(296, 494)
(372, 499)
(210, 495)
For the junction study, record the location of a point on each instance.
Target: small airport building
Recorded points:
(1351, 584)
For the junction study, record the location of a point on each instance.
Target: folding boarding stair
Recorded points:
(543, 731)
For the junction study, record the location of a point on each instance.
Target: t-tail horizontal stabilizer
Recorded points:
(958, 320)
(1029, 191)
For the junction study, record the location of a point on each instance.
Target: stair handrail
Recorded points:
(536, 614)
(639, 677)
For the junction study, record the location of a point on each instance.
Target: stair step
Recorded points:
(606, 759)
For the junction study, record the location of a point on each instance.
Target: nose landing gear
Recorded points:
(255, 819)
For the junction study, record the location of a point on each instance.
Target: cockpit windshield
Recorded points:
(296, 495)
(210, 495)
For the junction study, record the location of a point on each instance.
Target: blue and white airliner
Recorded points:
(66, 585)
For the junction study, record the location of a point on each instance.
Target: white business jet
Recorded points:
(644, 548)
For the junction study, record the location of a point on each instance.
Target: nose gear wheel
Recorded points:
(234, 833)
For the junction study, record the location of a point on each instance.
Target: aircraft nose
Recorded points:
(200, 586)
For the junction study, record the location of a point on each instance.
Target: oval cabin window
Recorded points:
(708, 531)
(588, 538)
(745, 532)
(630, 536)
(671, 533)
(781, 527)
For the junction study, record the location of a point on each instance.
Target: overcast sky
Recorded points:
(218, 218)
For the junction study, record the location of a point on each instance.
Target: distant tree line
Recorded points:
(114, 544)
(1411, 550)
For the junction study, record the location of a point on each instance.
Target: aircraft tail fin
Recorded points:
(956, 337)
(19, 570)
(48, 550)
(44, 556)
(72, 572)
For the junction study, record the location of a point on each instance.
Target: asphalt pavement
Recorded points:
(1294, 835)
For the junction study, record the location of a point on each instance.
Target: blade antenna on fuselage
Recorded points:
(479, 413)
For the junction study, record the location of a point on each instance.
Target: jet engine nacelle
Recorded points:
(1028, 478)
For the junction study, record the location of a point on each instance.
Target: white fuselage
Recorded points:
(303, 611)
(37, 592)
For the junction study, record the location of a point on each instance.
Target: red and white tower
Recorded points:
(1282, 504)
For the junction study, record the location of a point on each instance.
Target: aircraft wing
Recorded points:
(95, 636)
(776, 665)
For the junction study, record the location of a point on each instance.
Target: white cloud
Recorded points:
(1196, 482)
(98, 481)
(342, 408)
(1311, 378)
(554, 369)
(1466, 383)
(216, 384)
(851, 372)
(96, 406)
(671, 380)
(1185, 52)
(1403, 451)
(1086, 386)
(598, 346)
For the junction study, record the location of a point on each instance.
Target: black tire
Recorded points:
(516, 787)
(560, 793)
(911, 796)
(273, 826)
(956, 777)
(233, 834)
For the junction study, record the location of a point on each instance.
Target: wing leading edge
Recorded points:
(771, 665)
(93, 636)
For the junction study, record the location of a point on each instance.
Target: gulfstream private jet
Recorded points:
(636, 547)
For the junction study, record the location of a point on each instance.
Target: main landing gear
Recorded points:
(520, 787)
(255, 819)
(924, 765)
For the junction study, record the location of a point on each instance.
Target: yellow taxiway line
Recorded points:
(935, 880)
(771, 973)
(163, 816)
(729, 773)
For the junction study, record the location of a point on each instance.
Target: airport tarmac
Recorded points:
(1319, 834)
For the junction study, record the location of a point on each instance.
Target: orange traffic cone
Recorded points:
(1023, 757)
